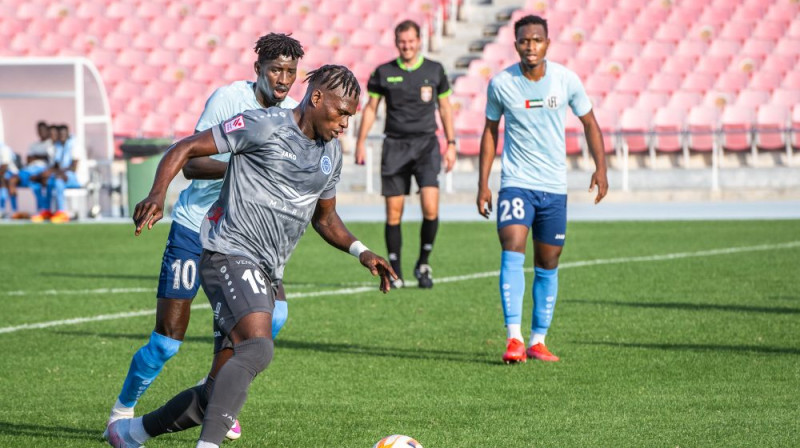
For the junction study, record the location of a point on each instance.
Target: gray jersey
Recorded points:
(274, 179)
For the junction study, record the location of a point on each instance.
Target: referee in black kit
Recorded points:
(413, 87)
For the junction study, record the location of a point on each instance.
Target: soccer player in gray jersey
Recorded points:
(282, 175)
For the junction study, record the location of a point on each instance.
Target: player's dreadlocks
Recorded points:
(530, 20)
(272, 45)
(333, 76)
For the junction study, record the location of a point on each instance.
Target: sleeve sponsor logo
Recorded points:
(234, 124)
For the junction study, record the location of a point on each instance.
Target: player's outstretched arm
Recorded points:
(488, 150)
(594, 138)
(151, 209)
(204, 168)
(331, 228)
(367, 119)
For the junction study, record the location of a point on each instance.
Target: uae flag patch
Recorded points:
(534, 104)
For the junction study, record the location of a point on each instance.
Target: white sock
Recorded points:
(201, 444)
(137, 432)
(513, 331)
(536, 338)
(119, 411)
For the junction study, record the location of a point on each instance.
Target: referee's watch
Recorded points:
(451, 142)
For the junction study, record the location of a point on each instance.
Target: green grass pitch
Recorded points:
(697, 349)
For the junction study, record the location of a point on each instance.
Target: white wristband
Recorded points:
(357, 248)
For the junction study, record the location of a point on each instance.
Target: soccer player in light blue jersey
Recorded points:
(276, 71)
(533, 95)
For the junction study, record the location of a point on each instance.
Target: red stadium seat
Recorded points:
(625, 50)
(731, 81)
(607, 121)
(600, 83)
(698, 82)
(658, 49)
(376, 20)
(469, 86)
(650, 101)
(685, 100)
(469, 126)
(769, 29)
(668, 129)
(764, 80)
(770, 128)
(791, 80)
(679, 64)
(156, 126)
(788, 46)
(701, 124)
(695, 48)
(736, 126)
(713, 65)
(752, 99)
(618, 101)
(779, 63)
(634, 126)
(639, 32)
(786, 98)
(735, 30)
(647, 66)
(126, 125)
(573, 131)
(664, 82)
(632, 82)
(723, 47)
(593, 51)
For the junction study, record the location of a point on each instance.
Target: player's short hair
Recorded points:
(530, 20)
(406, 25)
(333, 76)
(273, 45)
(41, 123)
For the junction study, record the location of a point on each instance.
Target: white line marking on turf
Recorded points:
(344, 291)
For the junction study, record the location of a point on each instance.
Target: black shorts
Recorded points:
(236, 287)
(403, 157)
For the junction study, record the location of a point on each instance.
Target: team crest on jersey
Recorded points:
(234, 124)
(426, 93)
(551, 102)
(326, 165)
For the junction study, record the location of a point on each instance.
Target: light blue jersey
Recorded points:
(534, 152)
(227, 101)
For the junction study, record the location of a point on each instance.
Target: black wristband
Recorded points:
(451, 142)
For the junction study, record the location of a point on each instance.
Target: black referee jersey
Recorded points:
(411, 93)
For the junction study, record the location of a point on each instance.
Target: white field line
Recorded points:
(356, 290)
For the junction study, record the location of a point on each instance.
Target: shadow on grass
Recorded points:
(51, 432)
(694, 306)
(701, 347)
(327, 347)
(114, 276)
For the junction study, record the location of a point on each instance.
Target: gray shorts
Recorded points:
(236, 287)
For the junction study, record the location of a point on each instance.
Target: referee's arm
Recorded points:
(367, 119)
(446, 114)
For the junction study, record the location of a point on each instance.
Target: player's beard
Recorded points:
(262, 85)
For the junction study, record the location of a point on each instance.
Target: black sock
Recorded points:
(394, 242)
(426, 237)
(183, 411)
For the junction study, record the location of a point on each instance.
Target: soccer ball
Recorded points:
(397, 441)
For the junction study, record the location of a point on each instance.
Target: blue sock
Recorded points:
(3, 197)
(279, 316)
(145, 367)
(512, 285)
(13, 203)
(545, 292)
(41, 200)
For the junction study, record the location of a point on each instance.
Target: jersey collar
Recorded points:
(410, 68)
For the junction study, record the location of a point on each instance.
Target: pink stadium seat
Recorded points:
(634, 126)
(143, 73)
(331, 8)
(582, 67)
(156, 126)
(701, 123)
(625, 50)
(679, 64)
(573, 130)
(731, 81)
(179, 10)
(664, 82)
(378, 55)
(771, 123)
(131, 57)
(146, 41)
(191, 57)
(713, 65)
(723, 47)
(718, 99)
(735, 30)
(459, 102)
(126, 124)
(632, 82)
(639, 33)
(795, 122)
(600, 83)
(658, 49)
(757, 47)
(736, 124)
(786, 98)
(668, 129)
(671, 32)
(362, 38)
(31, 10)
(379, 21)
(769, 29)
(347, 23)
(647, 66)
(788, 46)
(608, 126)
(479, 68)
(116, 41)
(780, 63)
(698, 82)
(764, 80)
(478, 103)
(191, 89)
(224, 56)
(653, 13)
(469, 126)
(618, 101)
(317, 56)
(608, 34)
(752, 99)
(184, 124)
(791, 80)
(178, 41)
(695, 48)
(593, 51)
(469, 86)
(195, 25)
(651, 101)
(568, 5)
(157, 89)
(685, 100)
(207, 73)
(793, 32)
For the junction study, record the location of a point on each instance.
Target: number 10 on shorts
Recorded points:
(185, 273)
